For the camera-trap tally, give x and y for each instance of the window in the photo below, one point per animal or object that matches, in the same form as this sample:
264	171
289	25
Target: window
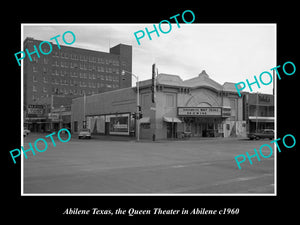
34	98
34	79
34	88
55	54
170	100
75	126
34	58
146	100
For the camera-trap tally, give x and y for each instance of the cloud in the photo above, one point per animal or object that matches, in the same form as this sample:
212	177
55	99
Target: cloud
228	52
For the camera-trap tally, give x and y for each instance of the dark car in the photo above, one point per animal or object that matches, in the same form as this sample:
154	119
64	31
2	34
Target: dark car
266	133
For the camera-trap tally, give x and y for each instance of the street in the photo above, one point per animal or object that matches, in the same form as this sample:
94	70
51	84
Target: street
192	166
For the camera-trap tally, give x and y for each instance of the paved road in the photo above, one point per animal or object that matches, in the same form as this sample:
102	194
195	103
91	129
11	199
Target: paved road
127	167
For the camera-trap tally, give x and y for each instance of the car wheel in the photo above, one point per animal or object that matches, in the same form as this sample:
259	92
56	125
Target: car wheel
79	137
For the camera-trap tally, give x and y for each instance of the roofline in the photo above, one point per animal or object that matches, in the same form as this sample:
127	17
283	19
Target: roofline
72	47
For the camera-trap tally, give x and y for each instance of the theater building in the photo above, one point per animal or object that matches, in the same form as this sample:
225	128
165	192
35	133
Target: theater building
199	107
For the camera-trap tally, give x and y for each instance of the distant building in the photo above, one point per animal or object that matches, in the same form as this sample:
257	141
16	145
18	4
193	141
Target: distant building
259	111
68	73
199	107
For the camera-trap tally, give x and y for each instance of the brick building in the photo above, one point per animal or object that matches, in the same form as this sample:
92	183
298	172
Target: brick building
69	72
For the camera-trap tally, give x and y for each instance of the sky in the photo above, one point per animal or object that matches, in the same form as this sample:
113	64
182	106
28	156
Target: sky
227	52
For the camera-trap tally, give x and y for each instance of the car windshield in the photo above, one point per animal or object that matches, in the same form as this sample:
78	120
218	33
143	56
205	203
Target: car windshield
268	131
85	130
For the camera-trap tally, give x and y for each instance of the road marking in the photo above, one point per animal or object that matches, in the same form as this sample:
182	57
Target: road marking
189	165
178	166
243	179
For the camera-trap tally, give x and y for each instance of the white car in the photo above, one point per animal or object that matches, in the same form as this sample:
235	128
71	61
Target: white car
85	133
26	132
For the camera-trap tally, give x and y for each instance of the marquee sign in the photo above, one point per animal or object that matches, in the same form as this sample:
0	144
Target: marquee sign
199	111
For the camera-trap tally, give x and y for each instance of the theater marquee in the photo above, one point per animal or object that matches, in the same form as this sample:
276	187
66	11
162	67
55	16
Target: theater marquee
199	111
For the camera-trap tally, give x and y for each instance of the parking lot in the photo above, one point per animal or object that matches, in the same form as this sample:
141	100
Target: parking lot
124	166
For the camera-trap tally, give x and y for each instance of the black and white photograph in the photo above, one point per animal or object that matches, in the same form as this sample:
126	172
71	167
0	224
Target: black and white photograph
158	115
162	112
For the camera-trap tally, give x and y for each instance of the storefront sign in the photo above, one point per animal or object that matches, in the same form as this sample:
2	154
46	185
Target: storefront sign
199	111
54	117
119	124
35	110
226	112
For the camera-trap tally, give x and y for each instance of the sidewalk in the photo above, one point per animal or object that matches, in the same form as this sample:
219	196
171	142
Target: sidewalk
35	135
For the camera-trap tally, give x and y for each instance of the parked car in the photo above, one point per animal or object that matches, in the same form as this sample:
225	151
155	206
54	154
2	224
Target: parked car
26	132
266	133
84	133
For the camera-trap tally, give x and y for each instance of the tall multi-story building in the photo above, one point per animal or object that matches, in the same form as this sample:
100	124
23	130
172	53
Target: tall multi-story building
70	72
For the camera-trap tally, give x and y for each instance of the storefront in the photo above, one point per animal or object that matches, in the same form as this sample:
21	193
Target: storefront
259	112
203	121
113	124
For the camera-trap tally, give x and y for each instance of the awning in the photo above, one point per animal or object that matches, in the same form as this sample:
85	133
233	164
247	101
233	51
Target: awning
172	119
262	119
145	120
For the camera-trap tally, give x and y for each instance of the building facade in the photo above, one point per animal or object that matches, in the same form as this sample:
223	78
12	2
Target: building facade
259	111
199	107
70	72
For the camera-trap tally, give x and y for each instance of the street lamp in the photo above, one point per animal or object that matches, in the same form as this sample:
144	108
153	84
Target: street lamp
137	103
61	118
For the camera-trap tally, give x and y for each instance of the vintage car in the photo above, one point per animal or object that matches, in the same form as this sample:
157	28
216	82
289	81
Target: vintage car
84	133
26	132
266	133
